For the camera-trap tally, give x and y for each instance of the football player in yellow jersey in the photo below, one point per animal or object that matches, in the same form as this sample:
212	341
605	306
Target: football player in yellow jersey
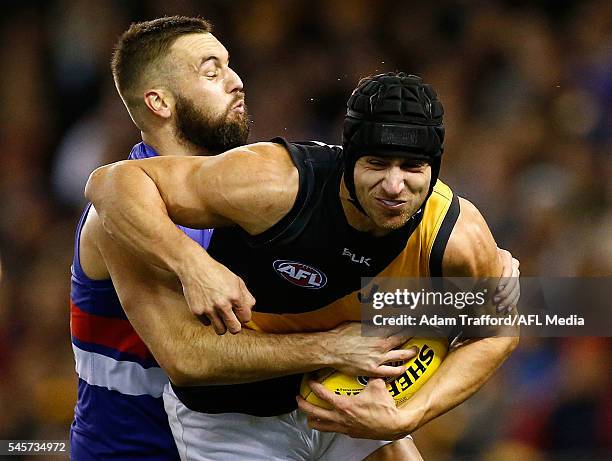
391	168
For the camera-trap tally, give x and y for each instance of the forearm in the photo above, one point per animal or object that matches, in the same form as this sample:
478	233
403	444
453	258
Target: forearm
189	351
133	212
470	252
461	374
199	357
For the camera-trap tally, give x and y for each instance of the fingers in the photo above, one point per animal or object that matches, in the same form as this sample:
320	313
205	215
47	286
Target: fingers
377	386
222	319
512	282
206	315
225	312
217	323
319	418
501	293
508	289
384	371
506	297
239	311
204	320
376	391
400	355
323	393
511	302
394	371
244	304
312	410
229	319
243	312
395	341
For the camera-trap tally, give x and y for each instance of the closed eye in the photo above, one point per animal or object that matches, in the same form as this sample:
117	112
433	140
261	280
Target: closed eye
376	163
413	165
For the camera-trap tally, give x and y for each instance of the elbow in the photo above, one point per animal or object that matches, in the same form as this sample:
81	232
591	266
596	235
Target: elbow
95	183
501	347
181	379
506	345
513	342
100	182
178	376
182	374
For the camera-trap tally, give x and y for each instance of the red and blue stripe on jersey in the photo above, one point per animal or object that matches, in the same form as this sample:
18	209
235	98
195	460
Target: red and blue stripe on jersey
119	413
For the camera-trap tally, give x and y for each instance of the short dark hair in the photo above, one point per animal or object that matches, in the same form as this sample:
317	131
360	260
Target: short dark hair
144	44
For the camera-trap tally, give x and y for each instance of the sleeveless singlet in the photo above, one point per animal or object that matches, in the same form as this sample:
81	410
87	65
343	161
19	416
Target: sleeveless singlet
305	271
119	413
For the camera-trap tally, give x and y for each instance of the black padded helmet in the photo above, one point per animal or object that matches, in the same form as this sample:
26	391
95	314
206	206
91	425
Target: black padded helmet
392	114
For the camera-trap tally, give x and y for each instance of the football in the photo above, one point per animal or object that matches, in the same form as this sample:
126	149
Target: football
431	352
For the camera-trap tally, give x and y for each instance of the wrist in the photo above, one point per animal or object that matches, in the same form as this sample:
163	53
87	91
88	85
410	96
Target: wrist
411	417
320	354
184	256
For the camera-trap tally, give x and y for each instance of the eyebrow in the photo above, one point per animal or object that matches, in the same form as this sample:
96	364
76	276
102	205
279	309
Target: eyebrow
212	58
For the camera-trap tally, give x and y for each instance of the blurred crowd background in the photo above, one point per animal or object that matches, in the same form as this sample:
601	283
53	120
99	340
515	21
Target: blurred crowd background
527	88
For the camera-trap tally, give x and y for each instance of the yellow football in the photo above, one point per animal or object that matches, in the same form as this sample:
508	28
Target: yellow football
431	352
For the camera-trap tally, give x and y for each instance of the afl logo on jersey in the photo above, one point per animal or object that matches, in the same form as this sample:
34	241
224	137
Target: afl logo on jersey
300	274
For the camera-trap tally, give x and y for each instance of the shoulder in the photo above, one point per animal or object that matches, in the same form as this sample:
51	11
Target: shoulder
256	184
315	146
471	249
311	151
260	160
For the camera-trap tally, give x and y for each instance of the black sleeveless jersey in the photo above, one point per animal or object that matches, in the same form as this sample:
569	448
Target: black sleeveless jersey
303	270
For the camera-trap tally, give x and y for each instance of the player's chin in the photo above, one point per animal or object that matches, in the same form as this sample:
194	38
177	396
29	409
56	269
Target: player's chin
390	223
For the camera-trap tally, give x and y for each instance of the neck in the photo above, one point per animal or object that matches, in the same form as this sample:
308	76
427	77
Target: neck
165	142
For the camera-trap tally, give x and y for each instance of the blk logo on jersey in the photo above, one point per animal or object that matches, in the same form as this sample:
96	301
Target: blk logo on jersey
355	258
300	274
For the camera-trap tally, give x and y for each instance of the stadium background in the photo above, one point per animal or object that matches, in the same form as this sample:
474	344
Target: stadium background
527	88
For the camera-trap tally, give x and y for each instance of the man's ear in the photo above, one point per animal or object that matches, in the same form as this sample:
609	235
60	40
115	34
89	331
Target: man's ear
159	101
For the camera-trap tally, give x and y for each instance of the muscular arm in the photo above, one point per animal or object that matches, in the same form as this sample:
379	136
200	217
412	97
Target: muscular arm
139	201
253	187
471	252
190	352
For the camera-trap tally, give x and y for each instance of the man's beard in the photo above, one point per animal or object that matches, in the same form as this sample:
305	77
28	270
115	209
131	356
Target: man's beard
215	135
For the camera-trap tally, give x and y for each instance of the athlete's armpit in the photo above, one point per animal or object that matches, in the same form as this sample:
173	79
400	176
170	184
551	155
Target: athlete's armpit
89	254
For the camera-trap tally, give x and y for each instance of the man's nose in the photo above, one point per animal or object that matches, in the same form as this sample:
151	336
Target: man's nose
233	81
393	182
